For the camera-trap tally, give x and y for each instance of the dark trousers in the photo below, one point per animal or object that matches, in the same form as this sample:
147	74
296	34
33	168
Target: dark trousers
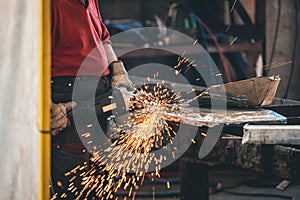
69	150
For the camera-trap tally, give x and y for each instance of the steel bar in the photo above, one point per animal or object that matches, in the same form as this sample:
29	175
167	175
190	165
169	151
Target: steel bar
272	134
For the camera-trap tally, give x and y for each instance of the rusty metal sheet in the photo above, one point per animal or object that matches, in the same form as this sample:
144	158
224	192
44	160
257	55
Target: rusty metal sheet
259	91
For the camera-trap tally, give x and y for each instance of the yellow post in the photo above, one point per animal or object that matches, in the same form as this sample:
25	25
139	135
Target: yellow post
44	107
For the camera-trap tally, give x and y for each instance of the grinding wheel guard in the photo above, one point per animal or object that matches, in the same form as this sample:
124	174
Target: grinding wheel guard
94	105
114	102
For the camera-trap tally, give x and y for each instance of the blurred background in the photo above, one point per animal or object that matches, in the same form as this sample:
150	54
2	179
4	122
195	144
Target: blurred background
254	36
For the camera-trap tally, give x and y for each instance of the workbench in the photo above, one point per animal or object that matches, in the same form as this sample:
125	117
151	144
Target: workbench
276	160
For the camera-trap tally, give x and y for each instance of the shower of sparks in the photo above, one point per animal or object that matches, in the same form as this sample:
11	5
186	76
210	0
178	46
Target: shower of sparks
227	29
153	193
233	6
146	130
275	65
195	42
186	62
132	147
234	39
203	134
168	185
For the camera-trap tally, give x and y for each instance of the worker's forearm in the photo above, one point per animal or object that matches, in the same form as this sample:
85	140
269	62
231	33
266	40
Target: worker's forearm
111	56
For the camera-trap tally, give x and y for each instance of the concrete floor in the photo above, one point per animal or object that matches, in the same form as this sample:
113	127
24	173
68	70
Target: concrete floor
228	180
293	190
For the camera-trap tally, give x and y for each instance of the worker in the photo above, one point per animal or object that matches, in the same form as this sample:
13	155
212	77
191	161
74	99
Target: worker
81	53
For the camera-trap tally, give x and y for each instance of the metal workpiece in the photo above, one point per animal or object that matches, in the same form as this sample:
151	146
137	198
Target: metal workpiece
205	117
272	134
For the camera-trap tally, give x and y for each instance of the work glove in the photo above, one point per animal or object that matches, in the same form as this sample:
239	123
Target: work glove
120	76
59	118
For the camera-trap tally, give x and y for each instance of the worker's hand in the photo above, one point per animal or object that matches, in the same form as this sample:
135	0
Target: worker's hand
120	76
59	119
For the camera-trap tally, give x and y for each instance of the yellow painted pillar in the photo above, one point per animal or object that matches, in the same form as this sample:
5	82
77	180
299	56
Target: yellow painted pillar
44	105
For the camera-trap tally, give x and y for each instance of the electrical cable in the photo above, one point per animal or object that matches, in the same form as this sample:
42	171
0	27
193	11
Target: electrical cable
208	30
160	180
297	7
276	31
203	35
221	54
205	43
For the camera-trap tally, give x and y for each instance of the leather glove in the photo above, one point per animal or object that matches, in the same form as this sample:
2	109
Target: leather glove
120	76
59	119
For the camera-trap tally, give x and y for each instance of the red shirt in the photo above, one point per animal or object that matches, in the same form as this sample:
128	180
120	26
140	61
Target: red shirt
77	36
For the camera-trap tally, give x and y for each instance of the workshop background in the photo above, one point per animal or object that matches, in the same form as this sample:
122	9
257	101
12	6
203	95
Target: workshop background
265	34
271	26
